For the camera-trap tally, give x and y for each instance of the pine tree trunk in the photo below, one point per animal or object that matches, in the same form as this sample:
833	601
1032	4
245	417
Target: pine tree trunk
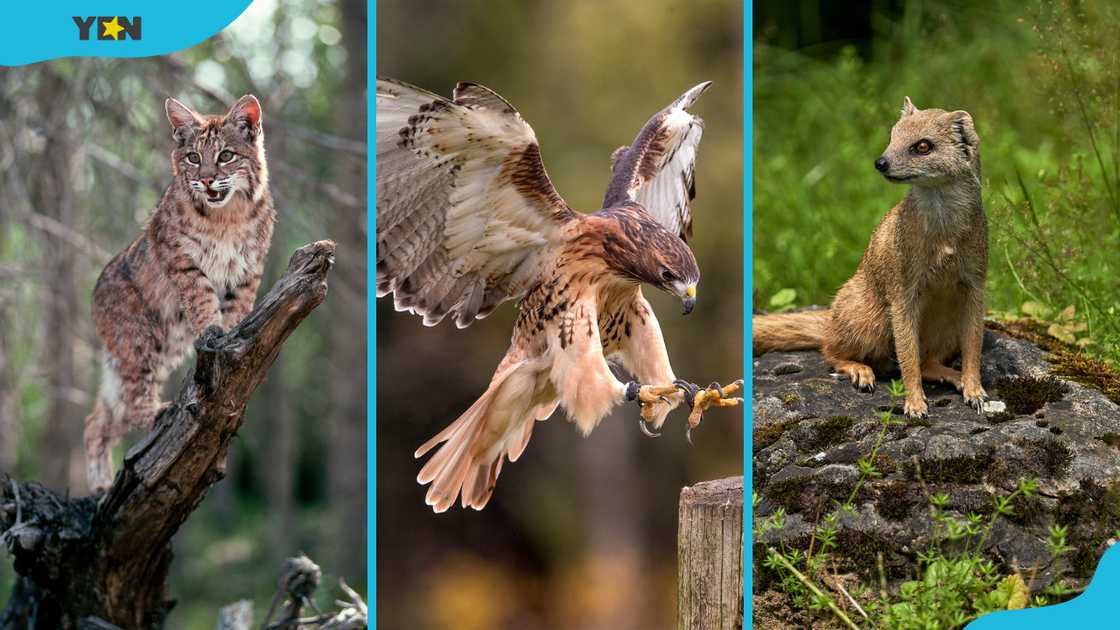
51	196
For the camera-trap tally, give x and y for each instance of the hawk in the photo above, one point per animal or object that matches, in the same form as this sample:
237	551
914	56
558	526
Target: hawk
467	218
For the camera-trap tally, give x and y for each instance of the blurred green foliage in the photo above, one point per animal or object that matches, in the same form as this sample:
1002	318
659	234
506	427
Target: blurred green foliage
580	533
1042	82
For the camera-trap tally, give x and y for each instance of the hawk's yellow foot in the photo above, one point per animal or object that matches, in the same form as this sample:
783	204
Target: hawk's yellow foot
699	400
647	396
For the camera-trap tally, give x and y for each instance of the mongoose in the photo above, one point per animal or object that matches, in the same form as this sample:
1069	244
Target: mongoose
919	288
197	263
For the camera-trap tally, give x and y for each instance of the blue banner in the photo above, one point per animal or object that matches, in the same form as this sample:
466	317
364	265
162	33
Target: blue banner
39	31
1090	609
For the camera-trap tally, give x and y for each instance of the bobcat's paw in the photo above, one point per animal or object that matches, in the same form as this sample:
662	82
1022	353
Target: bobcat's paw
210	339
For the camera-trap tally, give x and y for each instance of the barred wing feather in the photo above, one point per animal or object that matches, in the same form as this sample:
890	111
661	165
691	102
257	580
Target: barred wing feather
657	169
466	213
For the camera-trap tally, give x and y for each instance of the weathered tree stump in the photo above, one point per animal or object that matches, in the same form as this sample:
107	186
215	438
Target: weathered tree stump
105	559
710	556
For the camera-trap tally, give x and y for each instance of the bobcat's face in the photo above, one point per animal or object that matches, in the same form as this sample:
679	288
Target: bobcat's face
218	158
930	147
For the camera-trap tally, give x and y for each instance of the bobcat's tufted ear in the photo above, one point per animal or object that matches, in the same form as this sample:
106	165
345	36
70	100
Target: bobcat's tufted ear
178	114
246	115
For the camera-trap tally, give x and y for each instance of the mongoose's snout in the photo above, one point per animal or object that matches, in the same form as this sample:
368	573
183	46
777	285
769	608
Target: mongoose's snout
882	164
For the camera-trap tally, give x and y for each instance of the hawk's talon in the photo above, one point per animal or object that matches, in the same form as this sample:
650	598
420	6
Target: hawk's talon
647	396
699	400
645	429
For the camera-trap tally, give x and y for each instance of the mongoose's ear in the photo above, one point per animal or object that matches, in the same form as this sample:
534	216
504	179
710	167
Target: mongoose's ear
963	127
907	107
178	114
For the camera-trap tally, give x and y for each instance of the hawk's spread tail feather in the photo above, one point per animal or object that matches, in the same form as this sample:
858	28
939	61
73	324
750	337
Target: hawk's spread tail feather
789	331
471	449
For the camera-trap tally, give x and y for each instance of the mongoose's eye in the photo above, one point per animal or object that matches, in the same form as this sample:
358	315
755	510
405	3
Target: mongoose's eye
225	156
194	158
922	147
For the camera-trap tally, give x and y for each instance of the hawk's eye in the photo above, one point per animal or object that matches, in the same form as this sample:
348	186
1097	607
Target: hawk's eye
922	147
194	158
667	276
225	156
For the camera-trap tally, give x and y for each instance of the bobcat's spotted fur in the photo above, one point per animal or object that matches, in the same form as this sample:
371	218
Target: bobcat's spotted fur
197	263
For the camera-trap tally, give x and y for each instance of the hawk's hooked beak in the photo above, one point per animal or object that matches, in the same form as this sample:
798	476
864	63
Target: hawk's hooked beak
689	299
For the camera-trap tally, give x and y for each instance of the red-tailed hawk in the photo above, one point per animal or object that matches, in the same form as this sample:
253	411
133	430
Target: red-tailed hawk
467	219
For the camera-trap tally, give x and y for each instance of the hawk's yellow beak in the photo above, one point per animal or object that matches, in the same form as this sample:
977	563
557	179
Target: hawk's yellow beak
689	300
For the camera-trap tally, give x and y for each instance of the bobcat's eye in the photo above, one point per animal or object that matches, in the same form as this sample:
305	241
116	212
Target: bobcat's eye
194	158
922	147
225	156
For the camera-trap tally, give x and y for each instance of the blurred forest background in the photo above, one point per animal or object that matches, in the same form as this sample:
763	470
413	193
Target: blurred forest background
1042	82
580	533
84	147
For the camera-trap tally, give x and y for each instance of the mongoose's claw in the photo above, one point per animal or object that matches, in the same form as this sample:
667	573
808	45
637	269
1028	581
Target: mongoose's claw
862	376
916	407
977	402
975	396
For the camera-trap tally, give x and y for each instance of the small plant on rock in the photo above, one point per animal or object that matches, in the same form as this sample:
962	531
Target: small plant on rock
954	582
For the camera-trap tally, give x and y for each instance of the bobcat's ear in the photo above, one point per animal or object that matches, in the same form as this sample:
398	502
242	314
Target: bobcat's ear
907	107
246	115
178	114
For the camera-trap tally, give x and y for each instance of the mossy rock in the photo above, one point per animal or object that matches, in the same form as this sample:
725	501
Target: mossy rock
813	428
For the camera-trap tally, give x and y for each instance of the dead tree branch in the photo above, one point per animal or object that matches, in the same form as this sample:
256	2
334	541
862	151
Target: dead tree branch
105	559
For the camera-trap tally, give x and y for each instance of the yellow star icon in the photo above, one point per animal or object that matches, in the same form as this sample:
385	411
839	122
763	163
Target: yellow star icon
112	28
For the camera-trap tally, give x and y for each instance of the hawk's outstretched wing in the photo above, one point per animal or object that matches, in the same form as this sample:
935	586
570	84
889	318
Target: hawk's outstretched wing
465	209
657	169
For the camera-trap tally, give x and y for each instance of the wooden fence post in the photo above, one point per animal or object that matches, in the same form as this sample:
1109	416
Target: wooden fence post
710	556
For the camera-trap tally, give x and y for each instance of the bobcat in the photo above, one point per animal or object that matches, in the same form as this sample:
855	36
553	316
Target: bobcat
918	293
196	264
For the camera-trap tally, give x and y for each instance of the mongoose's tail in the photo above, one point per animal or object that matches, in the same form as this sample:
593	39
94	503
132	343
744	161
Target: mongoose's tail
789	331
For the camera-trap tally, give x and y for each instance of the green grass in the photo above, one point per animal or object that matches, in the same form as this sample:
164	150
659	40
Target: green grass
1042	82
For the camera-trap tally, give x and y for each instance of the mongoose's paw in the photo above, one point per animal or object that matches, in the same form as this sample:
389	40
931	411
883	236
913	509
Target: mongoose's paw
649	397
975	396
699	400
938	373
863	377
916	406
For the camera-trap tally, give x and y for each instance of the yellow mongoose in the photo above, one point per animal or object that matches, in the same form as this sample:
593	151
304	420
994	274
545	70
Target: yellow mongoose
919	289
